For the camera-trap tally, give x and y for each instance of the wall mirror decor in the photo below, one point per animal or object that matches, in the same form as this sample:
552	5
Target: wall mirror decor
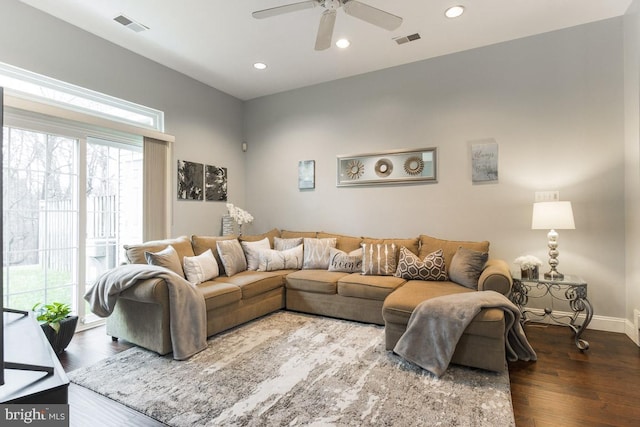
388	167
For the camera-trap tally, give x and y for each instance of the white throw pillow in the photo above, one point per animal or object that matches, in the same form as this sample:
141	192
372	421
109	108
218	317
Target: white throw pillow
290	259
200	268
346	262
280	244
252	252
317	252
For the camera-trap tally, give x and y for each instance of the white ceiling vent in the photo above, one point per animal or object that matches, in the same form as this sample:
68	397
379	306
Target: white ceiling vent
130	23
406	39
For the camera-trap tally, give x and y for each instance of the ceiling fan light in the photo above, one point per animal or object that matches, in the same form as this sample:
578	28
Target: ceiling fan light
260	66
454	11
343	43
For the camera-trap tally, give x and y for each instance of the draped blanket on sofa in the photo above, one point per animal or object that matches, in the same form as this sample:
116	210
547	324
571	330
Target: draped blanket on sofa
437	324
187	311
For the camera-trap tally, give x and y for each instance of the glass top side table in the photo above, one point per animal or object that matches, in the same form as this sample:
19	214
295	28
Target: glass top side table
572	289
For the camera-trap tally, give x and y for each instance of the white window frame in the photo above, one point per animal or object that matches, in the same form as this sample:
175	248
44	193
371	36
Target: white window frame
36	87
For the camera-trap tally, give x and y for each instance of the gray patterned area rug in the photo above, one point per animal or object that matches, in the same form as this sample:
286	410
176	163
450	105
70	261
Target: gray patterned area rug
293	369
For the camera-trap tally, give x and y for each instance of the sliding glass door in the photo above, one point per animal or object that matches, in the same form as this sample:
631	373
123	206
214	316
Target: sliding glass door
69	203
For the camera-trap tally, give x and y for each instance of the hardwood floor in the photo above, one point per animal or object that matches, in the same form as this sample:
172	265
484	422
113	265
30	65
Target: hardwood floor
564	388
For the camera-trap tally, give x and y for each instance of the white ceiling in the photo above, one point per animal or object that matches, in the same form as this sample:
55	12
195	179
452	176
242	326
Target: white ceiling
217	41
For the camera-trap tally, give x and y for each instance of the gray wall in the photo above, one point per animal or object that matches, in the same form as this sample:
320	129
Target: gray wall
632	156
207	123
553	102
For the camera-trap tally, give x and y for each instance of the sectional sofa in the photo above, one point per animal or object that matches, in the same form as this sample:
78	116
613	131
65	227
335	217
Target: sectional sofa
369	280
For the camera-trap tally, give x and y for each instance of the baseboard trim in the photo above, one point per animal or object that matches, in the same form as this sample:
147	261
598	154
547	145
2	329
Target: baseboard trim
598	323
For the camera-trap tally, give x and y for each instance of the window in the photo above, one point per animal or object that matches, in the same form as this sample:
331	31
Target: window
70	201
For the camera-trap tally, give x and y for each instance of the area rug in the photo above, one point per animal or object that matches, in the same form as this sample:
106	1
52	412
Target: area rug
294	369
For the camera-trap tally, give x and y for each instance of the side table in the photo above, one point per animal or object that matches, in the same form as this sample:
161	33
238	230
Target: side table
572	289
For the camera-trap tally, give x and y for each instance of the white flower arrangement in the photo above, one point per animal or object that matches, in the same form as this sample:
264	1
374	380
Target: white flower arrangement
240	216
527	262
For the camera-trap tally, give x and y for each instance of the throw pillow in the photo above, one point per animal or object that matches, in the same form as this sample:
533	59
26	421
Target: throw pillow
466	267
167	258
379	259
411	267
252	252
347	262
316	253
200	268
280	244
232	256
289	259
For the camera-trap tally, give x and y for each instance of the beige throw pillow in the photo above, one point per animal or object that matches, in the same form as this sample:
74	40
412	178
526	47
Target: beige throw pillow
346	262
232	256
379	259
167	258
200	268
252	252
317	253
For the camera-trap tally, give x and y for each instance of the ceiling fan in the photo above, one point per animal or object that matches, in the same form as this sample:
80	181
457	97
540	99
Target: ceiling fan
354	8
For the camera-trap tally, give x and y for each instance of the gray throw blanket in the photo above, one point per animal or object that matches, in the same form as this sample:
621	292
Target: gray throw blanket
187	310
436	325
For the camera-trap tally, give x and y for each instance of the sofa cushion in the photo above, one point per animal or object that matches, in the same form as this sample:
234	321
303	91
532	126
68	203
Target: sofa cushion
271	235
280	244
253	283
411	267
466	267
430	244
368	287
218	294
252	251
289	259
167	258
232	256
344	243
317	252
202	243
379	259
347	262
317	281
135	253
200	268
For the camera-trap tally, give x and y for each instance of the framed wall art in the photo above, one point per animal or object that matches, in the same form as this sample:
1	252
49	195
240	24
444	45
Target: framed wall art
389	167
306	174
215	182
484	161
190	177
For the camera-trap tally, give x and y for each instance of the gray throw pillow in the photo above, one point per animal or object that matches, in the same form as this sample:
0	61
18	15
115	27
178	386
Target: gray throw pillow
232	256
317	253
167	258
466	267
280	244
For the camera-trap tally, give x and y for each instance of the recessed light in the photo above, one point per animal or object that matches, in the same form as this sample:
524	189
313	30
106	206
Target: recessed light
260	66
454	11
343	43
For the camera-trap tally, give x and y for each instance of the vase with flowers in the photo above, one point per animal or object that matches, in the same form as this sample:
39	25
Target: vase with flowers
235	217
529	266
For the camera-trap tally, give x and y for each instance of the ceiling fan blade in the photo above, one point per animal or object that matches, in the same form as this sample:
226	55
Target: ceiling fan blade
325	30
372	15
280	10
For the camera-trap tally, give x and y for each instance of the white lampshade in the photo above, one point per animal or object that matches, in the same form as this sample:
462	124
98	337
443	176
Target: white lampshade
552	215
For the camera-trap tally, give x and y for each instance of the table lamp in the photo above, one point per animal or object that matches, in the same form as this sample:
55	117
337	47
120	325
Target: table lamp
553	216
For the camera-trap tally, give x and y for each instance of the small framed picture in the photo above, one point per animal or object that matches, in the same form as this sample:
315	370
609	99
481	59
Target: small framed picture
306	174
484	161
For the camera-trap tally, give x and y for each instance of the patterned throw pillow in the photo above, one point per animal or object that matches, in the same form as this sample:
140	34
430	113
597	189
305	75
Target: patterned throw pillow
317	253
252	252
347	262
232	256
167	258
289	259
466	267
200	268
411	267
378	259
280	244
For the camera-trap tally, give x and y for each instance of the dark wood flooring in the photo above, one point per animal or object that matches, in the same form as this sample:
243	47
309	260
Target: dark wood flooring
564	388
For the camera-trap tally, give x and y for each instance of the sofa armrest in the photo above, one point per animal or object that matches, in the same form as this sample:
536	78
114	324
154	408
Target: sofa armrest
496	277
152	290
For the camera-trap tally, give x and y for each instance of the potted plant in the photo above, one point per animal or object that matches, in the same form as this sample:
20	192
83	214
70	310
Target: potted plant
529	265
57	323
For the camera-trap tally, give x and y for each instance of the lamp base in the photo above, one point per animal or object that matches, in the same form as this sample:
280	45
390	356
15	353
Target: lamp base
553	275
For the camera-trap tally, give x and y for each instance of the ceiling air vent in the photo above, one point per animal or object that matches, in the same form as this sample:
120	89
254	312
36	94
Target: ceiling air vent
130	23
406	39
